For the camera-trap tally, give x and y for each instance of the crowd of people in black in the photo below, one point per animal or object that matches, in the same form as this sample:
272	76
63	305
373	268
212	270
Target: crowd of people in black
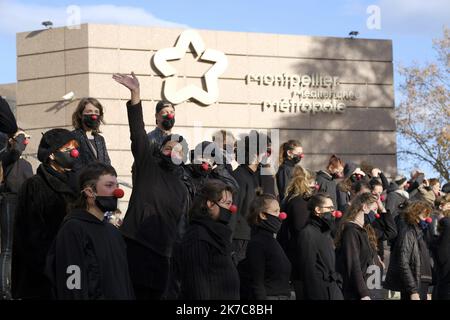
210	223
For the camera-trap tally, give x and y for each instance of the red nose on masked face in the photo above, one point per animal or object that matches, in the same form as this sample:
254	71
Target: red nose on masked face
282	216
74	153
233	209
118	193
377	215
94	117
205	166
301	156
26	141
428	220
337	214
317	187
382	197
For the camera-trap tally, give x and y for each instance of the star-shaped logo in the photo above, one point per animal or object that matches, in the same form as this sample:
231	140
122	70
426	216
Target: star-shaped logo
176	96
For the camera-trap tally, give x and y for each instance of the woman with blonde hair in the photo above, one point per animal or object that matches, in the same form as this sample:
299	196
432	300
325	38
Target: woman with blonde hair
298	193
410	264
356	246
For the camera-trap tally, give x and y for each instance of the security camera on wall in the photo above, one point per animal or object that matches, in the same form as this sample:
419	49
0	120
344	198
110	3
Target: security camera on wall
68	96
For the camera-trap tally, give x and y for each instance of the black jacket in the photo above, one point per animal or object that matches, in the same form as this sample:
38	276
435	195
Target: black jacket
41	207
266	270
87	154
297	217
353	257
407	256
248	182
283	176
327	185
385	229
15	171
98	250
159	196
206	270
317	263
442	260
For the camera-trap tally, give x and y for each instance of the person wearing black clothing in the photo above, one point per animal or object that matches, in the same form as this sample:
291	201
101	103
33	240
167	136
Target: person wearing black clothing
442	259
326	179
226	149
8	123
356	247
385	227
316	257
41	207
265	271
158	201
410	264
15	171
165	120
88	259
86	120
291	153
205	268
203	167
247	176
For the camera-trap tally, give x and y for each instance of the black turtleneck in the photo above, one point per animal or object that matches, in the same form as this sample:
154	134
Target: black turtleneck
206	270
284	175
266	269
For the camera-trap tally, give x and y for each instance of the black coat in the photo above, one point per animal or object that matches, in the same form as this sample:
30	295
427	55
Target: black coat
442	260
87	154
394	200
206	270
297	217
248	182
353	257
283	177
407	256
327	185
159	195
15	171
317	262
266	270
98	249
41	207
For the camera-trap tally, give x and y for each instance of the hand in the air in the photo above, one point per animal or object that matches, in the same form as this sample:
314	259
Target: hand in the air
131	82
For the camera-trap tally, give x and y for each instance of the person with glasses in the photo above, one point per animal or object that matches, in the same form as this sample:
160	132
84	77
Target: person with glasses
317	261
266	269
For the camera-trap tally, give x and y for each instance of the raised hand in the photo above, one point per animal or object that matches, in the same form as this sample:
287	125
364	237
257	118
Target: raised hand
132	83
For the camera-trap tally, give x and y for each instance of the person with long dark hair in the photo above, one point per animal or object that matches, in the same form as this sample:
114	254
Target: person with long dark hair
356	246
266	270
204	265
291	153
88	260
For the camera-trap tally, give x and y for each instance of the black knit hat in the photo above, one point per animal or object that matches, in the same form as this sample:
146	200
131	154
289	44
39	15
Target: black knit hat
163	104
349	168
180	140
52	140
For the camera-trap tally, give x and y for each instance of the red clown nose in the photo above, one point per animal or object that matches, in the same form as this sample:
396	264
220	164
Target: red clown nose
170	116
118	193
282	216
26	141
382	197
317	187
233	209
205	166
302	156
74	153
94	117
337	214
377	215
428	220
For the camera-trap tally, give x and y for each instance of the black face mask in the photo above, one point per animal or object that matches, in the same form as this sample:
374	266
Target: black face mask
423	224
328	218
64	159
19	144
370	217
224	215
167	162
272	223
296	158
106	203
168	123
91	123
200	169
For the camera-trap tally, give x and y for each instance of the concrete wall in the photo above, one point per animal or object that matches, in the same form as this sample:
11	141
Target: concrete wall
52	62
